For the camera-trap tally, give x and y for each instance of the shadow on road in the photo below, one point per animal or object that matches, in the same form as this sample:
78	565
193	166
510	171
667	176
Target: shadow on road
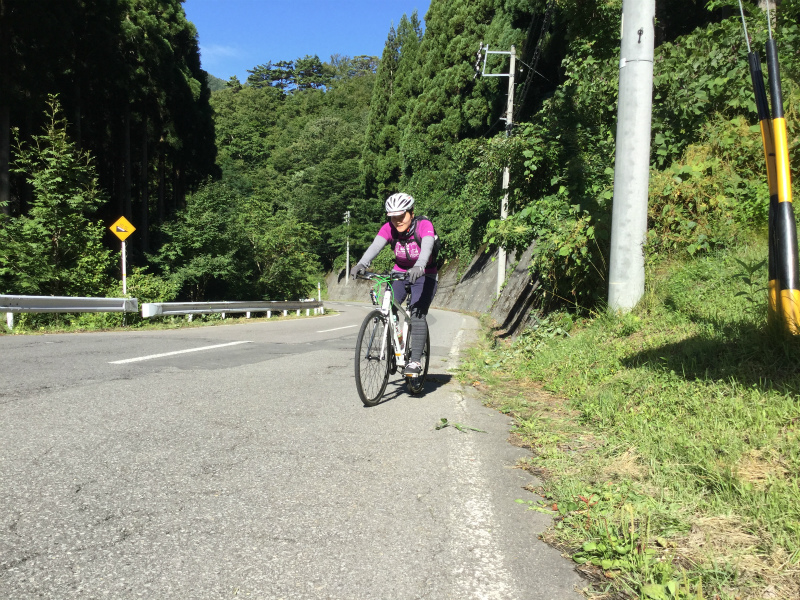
396	388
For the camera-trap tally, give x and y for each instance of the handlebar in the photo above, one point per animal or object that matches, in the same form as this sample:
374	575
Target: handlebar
390	276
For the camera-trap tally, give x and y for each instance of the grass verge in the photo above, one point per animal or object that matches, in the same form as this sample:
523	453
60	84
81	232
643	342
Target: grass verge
667	439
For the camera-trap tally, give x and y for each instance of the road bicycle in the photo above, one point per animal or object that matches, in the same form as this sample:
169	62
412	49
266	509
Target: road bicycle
384	345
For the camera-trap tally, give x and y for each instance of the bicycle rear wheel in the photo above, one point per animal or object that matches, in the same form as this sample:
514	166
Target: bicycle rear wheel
372	369
415	384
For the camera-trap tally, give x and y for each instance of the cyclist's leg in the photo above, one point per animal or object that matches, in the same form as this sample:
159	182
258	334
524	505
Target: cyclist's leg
399	290
422	293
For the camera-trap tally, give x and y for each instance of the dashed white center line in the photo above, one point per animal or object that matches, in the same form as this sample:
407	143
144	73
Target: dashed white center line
151	356
337	328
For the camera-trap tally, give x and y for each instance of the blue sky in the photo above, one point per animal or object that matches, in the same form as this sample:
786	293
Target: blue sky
236	35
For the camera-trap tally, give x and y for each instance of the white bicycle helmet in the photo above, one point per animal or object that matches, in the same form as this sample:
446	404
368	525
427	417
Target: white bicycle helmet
398	203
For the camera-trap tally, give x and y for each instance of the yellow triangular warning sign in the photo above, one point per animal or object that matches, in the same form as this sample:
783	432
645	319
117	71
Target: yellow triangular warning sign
122	228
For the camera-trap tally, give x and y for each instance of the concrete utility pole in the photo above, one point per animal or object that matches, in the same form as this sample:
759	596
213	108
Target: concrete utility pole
347	255
483	54
501	252
632	161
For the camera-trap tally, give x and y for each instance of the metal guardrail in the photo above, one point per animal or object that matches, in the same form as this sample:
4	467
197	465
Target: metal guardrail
66	304
157	309
11	304
70	304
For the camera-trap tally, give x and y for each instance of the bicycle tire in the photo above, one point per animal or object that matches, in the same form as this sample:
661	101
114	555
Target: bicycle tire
415	384
372	371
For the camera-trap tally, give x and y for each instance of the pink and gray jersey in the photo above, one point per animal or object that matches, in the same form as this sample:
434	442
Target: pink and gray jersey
406	250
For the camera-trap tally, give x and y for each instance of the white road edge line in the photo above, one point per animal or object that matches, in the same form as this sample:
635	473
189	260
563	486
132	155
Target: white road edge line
483	574
337	328
151	356
455	349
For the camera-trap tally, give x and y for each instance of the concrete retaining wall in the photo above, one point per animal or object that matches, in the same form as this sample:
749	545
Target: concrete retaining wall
471	291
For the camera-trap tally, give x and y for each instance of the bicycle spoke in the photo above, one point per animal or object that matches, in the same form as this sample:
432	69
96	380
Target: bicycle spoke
372	369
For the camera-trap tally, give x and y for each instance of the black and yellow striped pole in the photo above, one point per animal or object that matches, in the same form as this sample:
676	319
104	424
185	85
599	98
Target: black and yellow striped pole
756	75
773	296
785	230
784	287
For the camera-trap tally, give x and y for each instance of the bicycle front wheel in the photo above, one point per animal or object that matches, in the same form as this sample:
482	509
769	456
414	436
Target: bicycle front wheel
372	365
415	384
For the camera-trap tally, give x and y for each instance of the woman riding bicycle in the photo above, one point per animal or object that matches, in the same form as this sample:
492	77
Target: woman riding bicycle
415	259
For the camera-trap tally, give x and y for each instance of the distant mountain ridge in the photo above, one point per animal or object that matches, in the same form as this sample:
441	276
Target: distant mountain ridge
215	83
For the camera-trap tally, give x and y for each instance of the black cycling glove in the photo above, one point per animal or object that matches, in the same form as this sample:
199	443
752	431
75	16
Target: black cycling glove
359	269
415	273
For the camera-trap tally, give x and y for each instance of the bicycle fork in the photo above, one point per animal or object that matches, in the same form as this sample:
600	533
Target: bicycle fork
400	348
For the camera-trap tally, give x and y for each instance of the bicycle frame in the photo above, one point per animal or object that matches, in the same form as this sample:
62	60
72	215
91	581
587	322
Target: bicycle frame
373	363
386	306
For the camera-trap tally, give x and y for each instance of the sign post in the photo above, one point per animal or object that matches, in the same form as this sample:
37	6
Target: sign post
122	228
124	274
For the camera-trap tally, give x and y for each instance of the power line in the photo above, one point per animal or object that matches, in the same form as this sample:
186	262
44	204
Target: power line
548	14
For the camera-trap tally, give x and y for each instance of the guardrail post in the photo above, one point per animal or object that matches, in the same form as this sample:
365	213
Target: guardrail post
223	315
298	312
269	314
308	311
189	318
10	320
248	314
285	313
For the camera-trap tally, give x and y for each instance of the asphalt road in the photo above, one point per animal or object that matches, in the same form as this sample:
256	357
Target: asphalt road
251	469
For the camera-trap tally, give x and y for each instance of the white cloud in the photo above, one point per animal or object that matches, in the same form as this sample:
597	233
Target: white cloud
215	53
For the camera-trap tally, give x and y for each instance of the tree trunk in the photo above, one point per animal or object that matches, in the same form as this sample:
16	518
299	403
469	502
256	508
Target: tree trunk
178	195
182	188
77	116
126	157
143	192
162	184
5	157
119	178
174	202
5	114
25	195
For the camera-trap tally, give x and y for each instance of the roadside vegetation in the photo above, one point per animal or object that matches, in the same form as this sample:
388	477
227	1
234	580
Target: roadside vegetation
667	440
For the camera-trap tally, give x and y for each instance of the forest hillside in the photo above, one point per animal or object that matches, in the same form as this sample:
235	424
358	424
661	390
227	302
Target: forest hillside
241	192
